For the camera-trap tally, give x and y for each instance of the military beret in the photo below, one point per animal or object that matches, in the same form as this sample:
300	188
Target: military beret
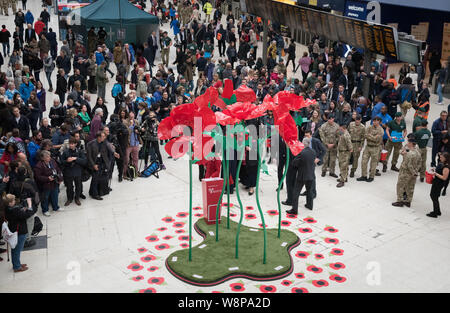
398	114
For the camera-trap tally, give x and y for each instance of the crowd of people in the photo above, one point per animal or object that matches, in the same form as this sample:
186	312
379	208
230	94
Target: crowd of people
73	140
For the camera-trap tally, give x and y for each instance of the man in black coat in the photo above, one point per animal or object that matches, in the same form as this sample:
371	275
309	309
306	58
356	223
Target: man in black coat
305	164
21	122
73	161
29	34
153	44
51	37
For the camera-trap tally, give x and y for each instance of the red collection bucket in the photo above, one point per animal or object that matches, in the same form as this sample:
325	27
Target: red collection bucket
429	177
383	155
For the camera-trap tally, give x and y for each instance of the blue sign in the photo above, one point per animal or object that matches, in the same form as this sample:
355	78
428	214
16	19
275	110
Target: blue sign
356	10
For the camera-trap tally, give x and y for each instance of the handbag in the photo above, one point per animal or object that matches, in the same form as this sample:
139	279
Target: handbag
10	237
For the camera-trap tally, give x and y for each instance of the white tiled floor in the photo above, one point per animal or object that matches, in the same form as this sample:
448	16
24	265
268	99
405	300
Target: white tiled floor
411	249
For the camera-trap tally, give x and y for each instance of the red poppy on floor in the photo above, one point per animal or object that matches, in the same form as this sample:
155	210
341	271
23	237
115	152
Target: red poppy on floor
148	258
331	229
135	267
215	291
267	288
148	290
184	238
182	214
332	240
299	290
320	283
272	212
152	238
338	278
311	241
180	231
156	280
285	223
162	247
226	204
184	245
305	230
238	287
178	224
138	278
291	216
168	219
318	256
197	208
167	237
336	251
249	208
162	229
337	265
299	275
302	254
286	282
309	220
142	250
250	216
260	225
152	268
198	215
314	269
232	214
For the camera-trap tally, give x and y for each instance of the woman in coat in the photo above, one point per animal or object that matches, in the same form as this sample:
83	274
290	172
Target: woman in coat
35	110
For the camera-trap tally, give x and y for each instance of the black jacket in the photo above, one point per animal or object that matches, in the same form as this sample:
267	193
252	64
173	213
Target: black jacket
318	148
304	164
17	218
74	168
23	125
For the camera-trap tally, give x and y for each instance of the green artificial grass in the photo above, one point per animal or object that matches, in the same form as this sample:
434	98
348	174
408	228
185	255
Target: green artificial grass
212	263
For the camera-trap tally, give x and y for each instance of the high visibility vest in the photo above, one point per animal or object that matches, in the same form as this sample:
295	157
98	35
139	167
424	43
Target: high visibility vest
422	105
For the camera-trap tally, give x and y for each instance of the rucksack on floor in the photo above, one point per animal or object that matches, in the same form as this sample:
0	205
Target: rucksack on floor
37	226
152	169
131	172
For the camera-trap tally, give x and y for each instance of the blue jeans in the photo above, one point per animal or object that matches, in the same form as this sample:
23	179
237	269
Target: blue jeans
52	197
15	253
6	48
63	33
439	92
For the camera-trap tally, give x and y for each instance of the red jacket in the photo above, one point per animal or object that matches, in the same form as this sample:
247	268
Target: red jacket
6	157
39	27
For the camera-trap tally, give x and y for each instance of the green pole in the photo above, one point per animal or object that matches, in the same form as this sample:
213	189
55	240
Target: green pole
239	198
223	189
190	201
228	193
279	189
258	204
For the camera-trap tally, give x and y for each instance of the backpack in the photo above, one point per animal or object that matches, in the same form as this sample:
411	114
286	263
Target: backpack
152	169
405	102
116	90
131	172
37	226
219	36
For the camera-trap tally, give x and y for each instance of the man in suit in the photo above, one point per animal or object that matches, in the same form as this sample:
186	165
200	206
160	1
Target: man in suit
153	44
305	164
183	38
51	37
30	34
22	124
330	91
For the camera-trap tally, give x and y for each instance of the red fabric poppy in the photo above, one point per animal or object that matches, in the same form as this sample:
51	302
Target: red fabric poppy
182	214
337	265
135	267
245	94
224	119
331	229
197	208
249	208
272	212
238	287
152	238
285	223
184	245
309	220
260	225
334	241
290	100
163	246
292	216
152	268
267	288
167	237
314	269
338	278
232	214
162	228
305	230
199	215
312	241
299	290
148	258
138	278
210	98
245	110
156	280
148	290
178	224
142	250
168	219
227	89
336	251
320	283
318	256
299	275
288	131
286	282
180	231
183	238
302	254
250	216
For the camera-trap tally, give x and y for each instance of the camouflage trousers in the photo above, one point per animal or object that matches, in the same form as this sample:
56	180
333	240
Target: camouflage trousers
405	184
356	153
4	8
423	163
396	146
344	159
14	6
371	153
329	161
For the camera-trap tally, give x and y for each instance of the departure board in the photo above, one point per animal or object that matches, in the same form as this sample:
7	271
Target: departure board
380	39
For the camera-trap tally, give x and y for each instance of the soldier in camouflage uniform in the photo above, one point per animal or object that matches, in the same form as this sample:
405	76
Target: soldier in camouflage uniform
345	148
328	135
13	5
357	132
409	170
374	136
187	14
4	6
397	124
422	136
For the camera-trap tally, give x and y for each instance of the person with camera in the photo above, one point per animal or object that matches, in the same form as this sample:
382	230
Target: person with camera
99	161
48	177
73	160
134	140
118	137
149	131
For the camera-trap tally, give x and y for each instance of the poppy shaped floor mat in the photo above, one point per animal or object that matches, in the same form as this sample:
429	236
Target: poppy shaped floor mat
214	262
